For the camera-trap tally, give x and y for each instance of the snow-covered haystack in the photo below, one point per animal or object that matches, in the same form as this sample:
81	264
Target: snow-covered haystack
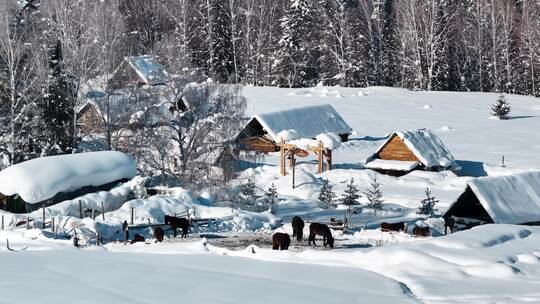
40	179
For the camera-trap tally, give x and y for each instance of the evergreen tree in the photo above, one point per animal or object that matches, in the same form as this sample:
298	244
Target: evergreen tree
428	205
374	196
350	196
327	195
501	108
58	110
297	60
271	198
221	59
249	189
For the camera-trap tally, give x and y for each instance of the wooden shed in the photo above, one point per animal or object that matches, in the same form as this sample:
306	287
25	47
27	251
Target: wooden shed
46	181
139	71
263	132
511	199
408	150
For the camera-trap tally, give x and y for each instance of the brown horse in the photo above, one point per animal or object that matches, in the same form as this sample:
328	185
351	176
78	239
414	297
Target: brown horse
159	234
297	228
280	241
421	231
178	222
401	226
320	229
137	238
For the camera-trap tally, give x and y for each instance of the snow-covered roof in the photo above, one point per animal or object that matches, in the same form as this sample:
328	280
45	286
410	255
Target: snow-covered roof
149	69
396	165
40	179
307	122
427	147
511	199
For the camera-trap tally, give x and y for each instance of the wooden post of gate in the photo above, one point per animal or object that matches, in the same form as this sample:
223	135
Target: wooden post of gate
132	214
94	214
27	223
320	158
80	209
328	160
102	211
293	160
282	158
43	224
2	222
53	227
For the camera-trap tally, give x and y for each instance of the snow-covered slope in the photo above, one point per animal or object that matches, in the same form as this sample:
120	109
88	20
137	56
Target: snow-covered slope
460	119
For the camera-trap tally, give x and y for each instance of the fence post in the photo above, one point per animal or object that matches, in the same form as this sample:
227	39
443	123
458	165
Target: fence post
53	227
102	211
2	222
93	214
132	214
27	223
43	225
80	209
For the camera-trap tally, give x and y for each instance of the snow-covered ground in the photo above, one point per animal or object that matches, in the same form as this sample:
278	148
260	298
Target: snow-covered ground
230	260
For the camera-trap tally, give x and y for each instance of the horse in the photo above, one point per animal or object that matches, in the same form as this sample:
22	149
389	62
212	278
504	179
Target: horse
280	241
297	228
137	238
449	222
159	234
421	231
178	222
320	229
401	226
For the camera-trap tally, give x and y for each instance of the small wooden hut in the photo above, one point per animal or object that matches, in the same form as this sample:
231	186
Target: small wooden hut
46	181
408	150
511	199
262	132
139	71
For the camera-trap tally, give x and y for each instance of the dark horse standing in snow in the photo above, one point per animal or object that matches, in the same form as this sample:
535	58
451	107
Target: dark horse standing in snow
297	228
178	222
159	234
320	229
280	241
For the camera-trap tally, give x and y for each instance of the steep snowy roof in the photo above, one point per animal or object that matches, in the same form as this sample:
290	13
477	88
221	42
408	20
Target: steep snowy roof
511	199
427	147
149	69
40	179
307	122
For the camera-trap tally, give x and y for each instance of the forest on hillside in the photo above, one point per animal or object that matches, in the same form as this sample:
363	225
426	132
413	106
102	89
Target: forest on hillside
54	52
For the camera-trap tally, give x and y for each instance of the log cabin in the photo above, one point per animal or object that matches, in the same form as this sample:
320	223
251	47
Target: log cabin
263	132
46	181
139	71
511	199
408	150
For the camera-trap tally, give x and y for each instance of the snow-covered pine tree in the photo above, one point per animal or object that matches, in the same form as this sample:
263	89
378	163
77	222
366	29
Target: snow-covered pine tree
297	59
271	198
501	108
374	196
58	108
327	195
350	196
248	189
222	57
428	205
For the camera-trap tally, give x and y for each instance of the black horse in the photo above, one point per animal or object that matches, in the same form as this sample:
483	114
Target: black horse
320	229
158	234
281	241
178	222
297	228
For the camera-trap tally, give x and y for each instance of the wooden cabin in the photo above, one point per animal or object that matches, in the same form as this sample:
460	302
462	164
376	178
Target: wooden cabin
511	199
46	181
262	132
139	71
409	150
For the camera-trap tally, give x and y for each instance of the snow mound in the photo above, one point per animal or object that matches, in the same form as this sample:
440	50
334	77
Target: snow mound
330	140
42	178
428	107
289	134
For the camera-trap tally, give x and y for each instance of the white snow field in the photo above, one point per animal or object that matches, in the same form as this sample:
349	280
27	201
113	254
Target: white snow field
495	263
